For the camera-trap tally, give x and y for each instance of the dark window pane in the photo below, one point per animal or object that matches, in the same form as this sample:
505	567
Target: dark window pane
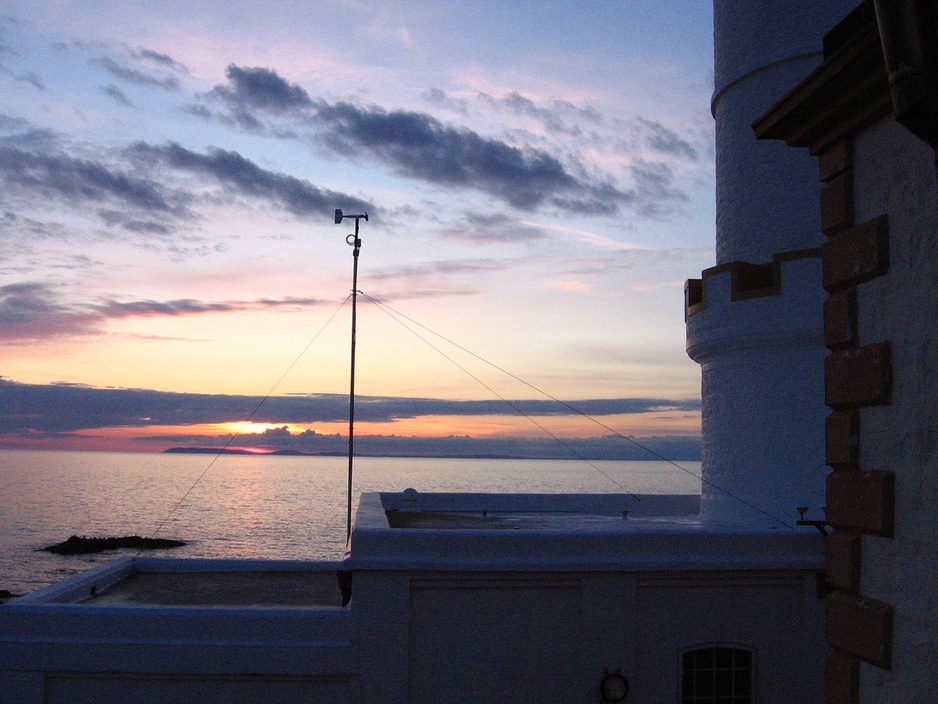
723	657
723	683
716	676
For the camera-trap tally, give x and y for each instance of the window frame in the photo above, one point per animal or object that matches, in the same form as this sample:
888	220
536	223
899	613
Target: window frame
714	645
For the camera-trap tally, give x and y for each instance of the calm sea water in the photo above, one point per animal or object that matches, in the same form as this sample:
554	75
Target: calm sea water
247	506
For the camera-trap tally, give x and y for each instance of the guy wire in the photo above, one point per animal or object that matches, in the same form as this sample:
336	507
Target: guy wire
569	407
253	413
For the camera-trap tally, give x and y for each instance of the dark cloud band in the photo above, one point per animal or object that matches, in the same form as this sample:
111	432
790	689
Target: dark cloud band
131	75
232	170
78	179
33	311
418	146
66	408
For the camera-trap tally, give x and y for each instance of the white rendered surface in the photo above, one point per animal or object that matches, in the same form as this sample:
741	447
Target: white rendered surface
766	192
574	532
895	175
762	365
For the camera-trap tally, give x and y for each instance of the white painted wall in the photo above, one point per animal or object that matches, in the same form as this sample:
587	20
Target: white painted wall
458	636
762	365
766	192
895	174
762	359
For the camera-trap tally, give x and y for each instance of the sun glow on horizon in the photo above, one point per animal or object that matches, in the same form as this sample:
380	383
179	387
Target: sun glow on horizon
241	427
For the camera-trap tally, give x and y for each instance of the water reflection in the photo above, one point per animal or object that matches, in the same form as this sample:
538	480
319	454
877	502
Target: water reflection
248	506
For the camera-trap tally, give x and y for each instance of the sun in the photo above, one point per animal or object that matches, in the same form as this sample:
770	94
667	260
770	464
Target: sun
244	427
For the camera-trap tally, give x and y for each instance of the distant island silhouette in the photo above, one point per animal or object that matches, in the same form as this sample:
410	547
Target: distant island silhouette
279	441
298	453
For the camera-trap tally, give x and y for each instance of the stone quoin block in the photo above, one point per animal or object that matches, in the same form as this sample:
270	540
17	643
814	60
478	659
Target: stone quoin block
840	320
693	297
835	160
748	280
841	679
843	560
842	434
861	627
837	203
857	255
863	501
858	377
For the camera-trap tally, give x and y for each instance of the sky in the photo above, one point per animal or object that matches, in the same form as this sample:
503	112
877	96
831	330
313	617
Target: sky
538	179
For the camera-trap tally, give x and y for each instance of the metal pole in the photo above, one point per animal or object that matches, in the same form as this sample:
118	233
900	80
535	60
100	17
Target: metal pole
356	244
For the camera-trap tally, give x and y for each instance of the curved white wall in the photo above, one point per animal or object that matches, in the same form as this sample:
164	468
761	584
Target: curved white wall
762	363
766	192
762	359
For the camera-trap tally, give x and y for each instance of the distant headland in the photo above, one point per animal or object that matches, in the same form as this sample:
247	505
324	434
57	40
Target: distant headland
239	451
282	443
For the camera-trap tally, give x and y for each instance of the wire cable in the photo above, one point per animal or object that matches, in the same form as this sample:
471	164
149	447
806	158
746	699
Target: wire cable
569	407
250	417
492	391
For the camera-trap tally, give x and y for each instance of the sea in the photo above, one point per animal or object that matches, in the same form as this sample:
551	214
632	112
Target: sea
251	506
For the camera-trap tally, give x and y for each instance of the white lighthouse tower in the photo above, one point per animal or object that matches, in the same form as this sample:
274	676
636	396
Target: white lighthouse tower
754	321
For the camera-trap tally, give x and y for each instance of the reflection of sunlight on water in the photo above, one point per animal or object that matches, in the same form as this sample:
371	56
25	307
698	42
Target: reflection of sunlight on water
250	506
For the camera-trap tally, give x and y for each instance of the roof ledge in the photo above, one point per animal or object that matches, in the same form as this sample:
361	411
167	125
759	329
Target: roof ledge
880	59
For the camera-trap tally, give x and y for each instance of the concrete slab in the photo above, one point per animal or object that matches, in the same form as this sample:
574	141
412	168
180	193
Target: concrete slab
255	589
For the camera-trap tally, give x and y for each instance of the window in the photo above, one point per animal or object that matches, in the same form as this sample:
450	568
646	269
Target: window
720	675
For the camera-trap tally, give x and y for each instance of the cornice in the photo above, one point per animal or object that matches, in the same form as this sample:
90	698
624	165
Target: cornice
847	92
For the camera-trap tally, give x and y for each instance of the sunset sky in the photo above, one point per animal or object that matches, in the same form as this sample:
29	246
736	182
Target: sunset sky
538	178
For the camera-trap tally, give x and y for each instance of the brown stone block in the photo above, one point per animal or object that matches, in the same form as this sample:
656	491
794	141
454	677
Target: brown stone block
858	377
840	320
842	434
841	679
857	255
749	280
835	160
863	501
861	627
693	297
843	560
837	203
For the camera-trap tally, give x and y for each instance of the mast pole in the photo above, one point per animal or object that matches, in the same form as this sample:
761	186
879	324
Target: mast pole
355	242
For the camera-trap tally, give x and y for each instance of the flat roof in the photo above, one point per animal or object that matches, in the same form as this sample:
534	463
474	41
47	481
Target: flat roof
433	531
255	589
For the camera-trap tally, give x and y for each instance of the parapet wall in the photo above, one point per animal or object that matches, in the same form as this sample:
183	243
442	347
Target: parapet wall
747	280
756	329
741	304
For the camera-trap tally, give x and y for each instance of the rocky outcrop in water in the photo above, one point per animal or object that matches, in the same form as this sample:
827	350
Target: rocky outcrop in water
81	545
